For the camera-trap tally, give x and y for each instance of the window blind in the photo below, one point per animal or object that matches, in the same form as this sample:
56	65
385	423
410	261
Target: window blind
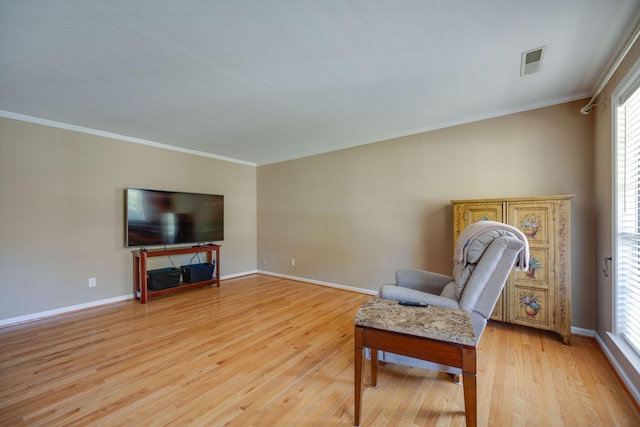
628	219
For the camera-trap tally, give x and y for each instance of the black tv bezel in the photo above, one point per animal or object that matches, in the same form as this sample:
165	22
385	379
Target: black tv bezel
193	242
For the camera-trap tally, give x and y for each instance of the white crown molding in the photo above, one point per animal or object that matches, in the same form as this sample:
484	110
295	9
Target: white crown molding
81	129
432	127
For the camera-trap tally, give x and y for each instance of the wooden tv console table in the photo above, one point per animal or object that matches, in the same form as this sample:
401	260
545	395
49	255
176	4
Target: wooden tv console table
140	270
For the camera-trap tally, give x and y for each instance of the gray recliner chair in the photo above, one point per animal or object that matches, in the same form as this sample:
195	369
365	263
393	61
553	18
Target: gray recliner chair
484	260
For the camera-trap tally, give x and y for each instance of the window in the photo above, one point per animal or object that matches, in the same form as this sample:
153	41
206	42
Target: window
627	217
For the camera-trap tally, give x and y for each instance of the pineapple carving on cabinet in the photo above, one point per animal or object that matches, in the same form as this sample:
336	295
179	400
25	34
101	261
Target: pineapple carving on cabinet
541	296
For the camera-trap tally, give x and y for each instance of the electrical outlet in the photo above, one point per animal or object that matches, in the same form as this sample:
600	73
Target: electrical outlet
92	282
293	262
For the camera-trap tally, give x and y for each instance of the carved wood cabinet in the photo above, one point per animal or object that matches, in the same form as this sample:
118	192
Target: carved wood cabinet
541	297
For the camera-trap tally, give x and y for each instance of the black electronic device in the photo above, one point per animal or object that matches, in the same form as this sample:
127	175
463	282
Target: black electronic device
155	217
413	304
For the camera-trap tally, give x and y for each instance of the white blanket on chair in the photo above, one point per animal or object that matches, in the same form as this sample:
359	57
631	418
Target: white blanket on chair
477	228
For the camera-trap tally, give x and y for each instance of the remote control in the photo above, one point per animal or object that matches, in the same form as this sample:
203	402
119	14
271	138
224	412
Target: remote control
413	304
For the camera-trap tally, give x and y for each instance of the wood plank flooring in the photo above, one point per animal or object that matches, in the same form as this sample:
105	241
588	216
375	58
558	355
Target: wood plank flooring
265	351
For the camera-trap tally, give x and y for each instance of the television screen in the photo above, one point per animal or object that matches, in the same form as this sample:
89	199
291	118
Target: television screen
165	217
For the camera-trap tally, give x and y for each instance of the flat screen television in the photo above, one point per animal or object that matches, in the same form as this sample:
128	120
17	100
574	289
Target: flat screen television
155	217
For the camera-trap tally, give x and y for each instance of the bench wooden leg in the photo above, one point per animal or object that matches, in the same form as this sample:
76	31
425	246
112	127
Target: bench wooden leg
469	386
358	367
374	367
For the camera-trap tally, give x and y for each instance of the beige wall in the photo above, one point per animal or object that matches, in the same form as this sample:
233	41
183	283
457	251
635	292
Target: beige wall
352	217
349	217
603	208
62	213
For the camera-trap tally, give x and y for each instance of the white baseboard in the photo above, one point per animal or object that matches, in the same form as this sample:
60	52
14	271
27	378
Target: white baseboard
63	310
234	275
318	282
584	332
92	304
625	378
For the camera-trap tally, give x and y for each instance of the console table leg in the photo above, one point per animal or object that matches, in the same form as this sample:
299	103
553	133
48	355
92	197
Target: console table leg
136	276
143	278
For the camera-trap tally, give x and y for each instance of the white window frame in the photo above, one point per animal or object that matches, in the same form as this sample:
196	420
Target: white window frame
629	83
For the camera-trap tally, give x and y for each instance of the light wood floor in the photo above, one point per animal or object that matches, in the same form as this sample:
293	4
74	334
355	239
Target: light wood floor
264	351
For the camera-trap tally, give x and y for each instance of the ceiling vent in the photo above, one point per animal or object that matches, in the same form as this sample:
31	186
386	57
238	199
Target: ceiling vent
532	61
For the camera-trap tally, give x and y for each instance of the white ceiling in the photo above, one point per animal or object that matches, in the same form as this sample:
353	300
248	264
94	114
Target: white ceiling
265	81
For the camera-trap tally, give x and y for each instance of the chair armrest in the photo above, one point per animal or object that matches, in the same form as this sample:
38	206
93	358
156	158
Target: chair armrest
399	293
421	280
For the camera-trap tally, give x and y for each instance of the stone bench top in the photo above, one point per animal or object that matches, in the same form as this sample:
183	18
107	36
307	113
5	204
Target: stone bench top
439	323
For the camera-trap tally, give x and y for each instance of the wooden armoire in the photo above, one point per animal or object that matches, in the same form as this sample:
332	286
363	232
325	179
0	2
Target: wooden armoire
540	297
